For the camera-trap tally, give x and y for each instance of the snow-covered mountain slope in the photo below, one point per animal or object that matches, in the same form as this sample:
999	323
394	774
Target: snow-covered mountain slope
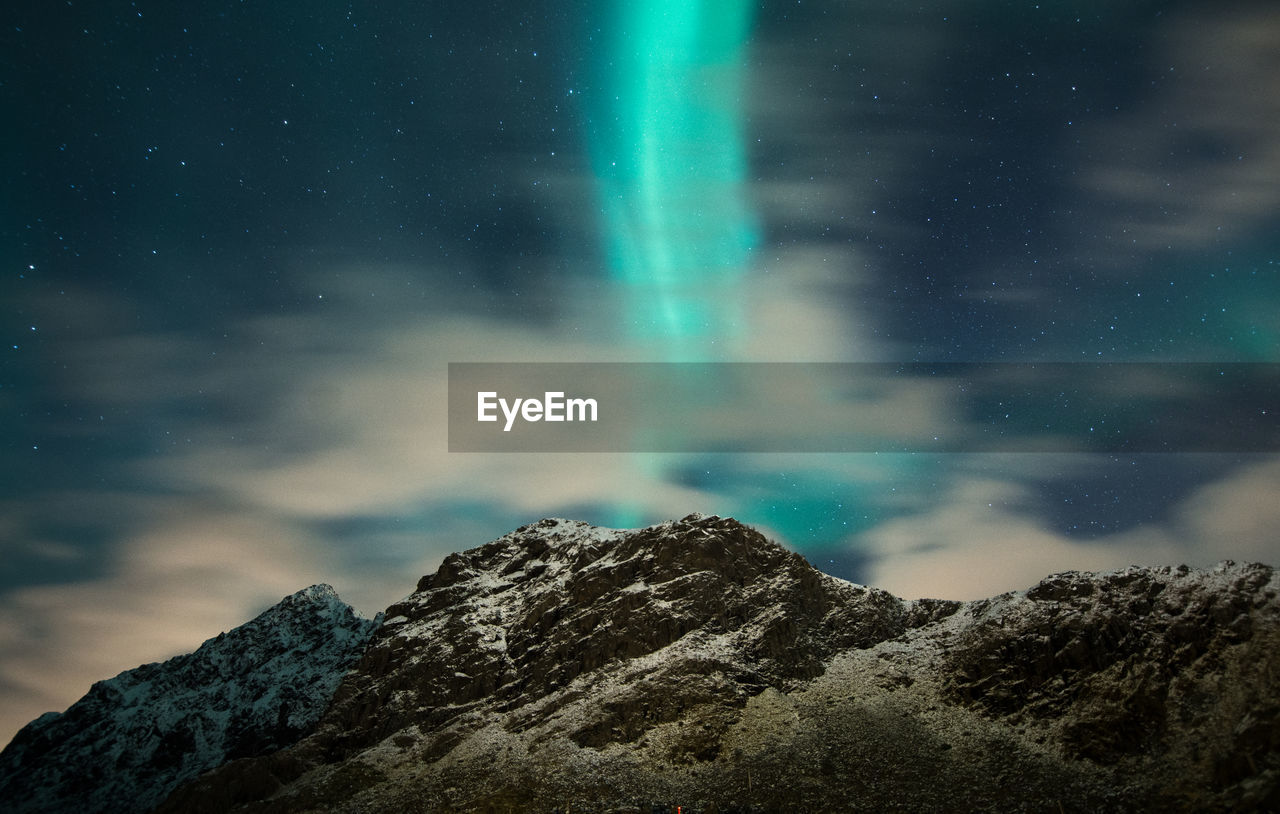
696	664
128	742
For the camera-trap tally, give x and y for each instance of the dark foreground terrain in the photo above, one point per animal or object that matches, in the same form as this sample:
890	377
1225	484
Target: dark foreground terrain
565	667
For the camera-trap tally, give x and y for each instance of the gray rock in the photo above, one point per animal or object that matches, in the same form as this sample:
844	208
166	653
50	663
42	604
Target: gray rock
695	664
133	738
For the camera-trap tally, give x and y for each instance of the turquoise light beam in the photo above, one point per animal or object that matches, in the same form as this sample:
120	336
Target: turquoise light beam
668	152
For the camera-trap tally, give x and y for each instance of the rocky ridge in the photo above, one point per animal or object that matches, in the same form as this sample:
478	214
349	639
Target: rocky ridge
133	738
694	663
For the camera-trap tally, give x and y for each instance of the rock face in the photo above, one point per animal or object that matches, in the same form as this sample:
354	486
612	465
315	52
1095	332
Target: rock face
570	668
565	667
127	743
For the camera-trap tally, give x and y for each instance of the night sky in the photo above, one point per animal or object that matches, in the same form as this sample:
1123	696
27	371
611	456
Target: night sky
242	241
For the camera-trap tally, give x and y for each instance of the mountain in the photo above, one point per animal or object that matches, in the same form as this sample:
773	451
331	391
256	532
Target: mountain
695	664
133	738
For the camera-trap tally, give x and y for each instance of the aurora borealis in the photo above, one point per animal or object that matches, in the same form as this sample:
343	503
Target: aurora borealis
243	242
667	148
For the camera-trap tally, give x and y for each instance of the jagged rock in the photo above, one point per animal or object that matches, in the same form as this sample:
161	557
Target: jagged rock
695	664
566	667
515	621
128	742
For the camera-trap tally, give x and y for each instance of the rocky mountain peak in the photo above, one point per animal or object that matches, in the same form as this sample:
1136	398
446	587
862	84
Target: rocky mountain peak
131	739
696	664
694	543
517	620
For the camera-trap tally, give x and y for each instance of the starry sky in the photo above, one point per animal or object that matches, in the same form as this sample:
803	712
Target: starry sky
243	240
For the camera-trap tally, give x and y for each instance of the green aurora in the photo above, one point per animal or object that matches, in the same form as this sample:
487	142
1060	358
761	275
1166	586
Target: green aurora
668	154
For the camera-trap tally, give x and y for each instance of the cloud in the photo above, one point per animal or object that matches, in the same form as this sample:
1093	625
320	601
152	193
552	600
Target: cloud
1237	517
982	537
253	442
304	420
971	545
195	572
1198	160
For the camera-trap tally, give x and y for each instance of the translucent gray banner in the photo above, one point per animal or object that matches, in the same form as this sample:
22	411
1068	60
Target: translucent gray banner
864	407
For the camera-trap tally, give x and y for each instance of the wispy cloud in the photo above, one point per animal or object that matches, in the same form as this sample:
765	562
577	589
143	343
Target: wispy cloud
983	535
221	461
195	571
1197	161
